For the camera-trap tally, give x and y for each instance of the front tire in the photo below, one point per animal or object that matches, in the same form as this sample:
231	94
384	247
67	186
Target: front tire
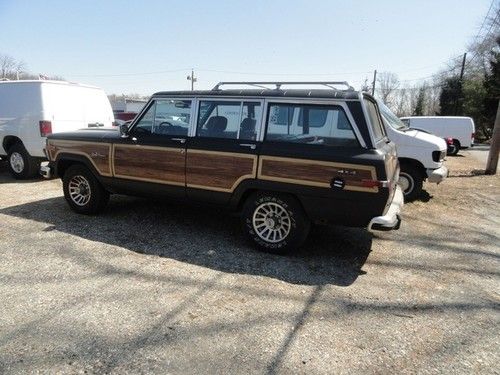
82	190
21	164
276	223
411	181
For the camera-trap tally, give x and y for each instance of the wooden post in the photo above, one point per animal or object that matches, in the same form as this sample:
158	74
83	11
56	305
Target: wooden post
492	162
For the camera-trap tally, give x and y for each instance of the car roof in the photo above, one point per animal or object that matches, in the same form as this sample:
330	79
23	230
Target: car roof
292	93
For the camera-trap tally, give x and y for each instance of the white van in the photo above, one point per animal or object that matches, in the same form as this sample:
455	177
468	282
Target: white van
460	130
420	154
30	110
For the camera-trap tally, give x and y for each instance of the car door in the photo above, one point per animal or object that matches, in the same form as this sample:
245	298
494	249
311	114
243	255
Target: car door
223	152
154	152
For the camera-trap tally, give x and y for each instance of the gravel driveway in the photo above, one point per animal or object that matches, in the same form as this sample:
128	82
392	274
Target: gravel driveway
151	287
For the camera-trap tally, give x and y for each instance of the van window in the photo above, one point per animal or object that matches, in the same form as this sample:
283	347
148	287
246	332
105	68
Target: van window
228	119
312	124
378	129
165	117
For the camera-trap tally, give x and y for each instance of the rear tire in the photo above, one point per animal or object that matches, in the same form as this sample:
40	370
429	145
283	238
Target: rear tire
21	164
411	181
453	148
276	223
83	191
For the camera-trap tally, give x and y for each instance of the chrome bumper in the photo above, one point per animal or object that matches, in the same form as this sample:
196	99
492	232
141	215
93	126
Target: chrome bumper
46	171
391	220
437	175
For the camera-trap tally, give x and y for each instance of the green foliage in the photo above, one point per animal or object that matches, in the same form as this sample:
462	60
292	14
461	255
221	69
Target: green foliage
451	96
419	107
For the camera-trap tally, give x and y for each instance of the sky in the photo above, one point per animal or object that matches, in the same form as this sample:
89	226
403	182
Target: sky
148	46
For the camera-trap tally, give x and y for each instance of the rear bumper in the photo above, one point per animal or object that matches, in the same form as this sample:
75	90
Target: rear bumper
437	175
391	220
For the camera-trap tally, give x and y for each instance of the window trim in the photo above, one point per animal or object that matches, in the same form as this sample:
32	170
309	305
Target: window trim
355	130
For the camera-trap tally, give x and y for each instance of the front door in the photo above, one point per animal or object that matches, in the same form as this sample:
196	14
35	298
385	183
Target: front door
154	152
223	152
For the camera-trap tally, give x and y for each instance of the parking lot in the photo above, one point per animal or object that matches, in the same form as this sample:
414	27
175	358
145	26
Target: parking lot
160	287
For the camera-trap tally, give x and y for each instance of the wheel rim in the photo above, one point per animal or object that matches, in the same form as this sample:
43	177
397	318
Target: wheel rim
406	182
271	222
79	190
16	162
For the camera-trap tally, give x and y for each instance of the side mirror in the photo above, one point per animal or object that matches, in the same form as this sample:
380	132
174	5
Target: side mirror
124	130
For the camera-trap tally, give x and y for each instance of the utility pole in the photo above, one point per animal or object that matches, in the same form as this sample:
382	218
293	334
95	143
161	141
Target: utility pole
463	67
492	162
192	78
374	80
461	80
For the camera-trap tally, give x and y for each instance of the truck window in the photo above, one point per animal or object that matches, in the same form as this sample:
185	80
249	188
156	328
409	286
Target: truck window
311	124
378	129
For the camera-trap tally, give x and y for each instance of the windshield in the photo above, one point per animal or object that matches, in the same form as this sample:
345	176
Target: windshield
390	118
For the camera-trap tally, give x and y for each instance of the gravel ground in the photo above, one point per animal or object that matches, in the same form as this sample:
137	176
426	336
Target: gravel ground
150	287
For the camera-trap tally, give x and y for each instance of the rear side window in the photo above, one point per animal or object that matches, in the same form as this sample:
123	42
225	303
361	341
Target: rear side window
310	124
228	119
378	130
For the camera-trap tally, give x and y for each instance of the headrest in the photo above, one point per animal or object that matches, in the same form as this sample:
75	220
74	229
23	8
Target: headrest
216	124
248	125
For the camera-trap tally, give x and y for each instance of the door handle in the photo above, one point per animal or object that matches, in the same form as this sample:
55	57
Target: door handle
251	146
180	140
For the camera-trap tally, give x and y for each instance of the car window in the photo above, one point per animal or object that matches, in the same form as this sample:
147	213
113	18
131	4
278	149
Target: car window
311	124
378	130
228	119
169	117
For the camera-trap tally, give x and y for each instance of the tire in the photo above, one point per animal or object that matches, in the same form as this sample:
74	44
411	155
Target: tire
276	223
21	164
411	180
83	192
454	148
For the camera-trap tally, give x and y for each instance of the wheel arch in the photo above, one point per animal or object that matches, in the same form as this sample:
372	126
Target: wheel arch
9	141
64	161
414	163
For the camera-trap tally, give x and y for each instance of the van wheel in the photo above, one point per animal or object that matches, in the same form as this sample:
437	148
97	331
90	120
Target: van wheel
276	223
453	148
82	191
411	181
21	164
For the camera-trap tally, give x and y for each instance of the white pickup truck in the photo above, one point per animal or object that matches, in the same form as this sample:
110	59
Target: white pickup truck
30	110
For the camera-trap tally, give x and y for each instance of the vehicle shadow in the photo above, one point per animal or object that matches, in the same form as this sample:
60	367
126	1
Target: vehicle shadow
206	237
6	178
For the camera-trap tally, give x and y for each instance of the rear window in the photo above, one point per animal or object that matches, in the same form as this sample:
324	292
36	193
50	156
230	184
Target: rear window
378	129
310	124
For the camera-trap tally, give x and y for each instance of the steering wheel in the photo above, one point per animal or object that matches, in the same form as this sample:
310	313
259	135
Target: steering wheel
164	124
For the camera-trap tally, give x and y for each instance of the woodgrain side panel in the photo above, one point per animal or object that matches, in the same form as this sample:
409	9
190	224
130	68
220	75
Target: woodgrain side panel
315	173
219	171
165	165
99	154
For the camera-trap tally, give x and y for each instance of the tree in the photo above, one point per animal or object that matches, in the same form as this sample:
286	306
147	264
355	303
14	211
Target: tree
419	107
10	68
388	83
450	100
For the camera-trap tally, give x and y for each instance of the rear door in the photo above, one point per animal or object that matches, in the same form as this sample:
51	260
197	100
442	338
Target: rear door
223	150
155	150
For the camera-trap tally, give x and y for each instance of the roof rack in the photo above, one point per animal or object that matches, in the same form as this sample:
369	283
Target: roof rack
329	84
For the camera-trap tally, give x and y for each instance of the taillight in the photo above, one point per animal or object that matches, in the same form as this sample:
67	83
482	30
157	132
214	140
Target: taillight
45	128
449	141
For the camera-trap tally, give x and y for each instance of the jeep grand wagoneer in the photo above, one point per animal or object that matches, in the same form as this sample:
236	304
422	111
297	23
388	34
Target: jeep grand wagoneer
283	158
